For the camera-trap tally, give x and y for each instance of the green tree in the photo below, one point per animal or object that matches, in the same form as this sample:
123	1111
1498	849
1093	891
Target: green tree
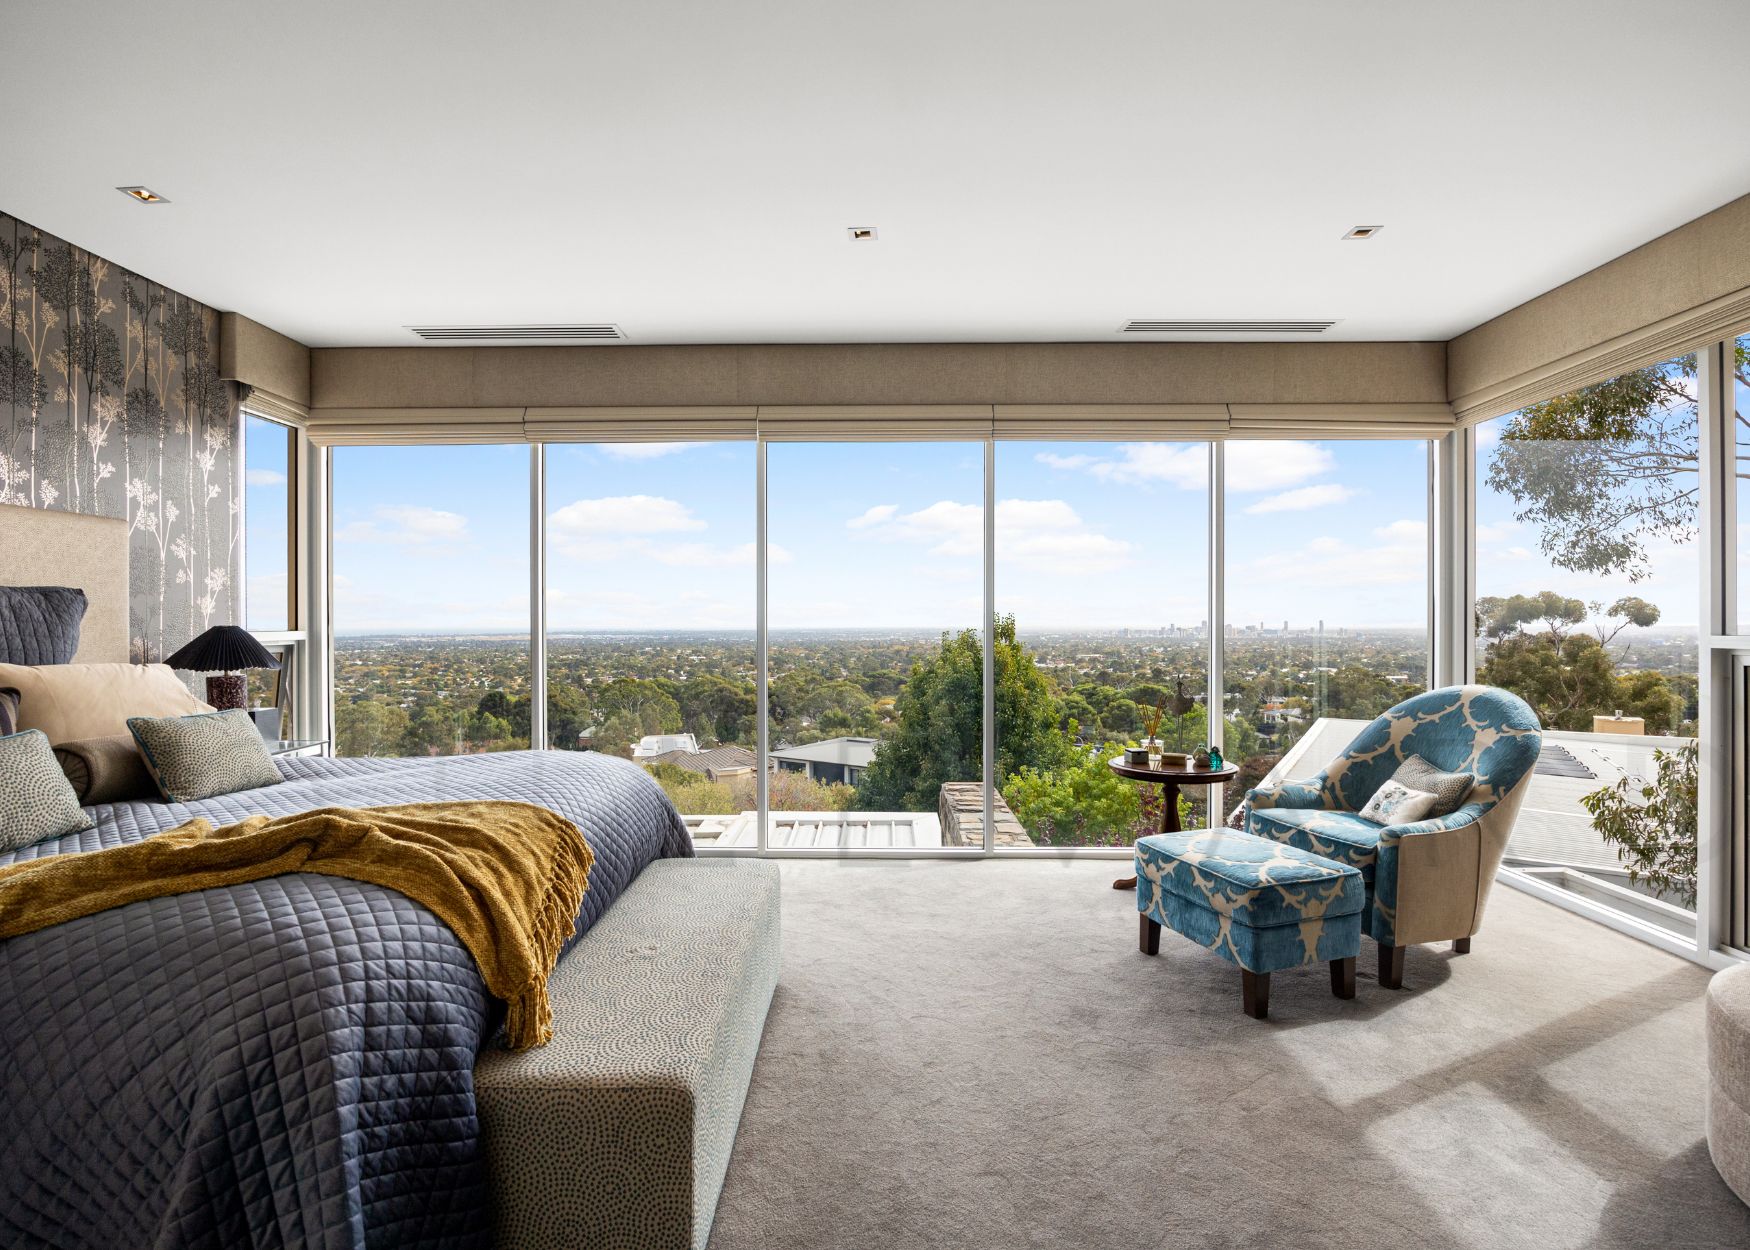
1606	469
1568	677
369	728
939	737
1080	802
1656	837
626	694
432	730
715	708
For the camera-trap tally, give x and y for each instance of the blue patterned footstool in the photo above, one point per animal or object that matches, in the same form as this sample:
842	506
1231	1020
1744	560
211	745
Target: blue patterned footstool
1262	904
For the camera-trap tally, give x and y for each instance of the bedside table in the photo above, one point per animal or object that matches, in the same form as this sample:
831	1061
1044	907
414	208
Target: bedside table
305	746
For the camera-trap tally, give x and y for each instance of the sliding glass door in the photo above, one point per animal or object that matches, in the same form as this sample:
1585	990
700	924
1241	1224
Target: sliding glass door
431	599
1326	594
875	643
650	619
1102	579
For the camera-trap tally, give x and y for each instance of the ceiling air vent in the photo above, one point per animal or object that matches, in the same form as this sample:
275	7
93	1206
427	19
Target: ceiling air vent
1227	327
519	334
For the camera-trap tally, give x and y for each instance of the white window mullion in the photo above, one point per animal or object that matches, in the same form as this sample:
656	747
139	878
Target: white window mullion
538	597
762	787
990	619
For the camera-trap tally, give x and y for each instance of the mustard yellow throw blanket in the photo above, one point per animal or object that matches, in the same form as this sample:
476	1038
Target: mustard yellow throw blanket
508	878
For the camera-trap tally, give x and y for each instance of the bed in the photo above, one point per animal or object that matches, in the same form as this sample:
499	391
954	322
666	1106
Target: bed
283	1063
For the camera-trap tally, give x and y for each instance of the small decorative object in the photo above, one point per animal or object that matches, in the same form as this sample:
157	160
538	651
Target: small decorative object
1137	757
1215	760
1200	759
1174	759
1150	734
220	650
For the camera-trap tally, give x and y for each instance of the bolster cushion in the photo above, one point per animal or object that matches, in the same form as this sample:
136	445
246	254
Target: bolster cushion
106	770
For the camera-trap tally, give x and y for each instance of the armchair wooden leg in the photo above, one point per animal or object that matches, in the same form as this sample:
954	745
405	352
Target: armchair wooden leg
1343	977
1255	990
1150	938
1391	967
1461	946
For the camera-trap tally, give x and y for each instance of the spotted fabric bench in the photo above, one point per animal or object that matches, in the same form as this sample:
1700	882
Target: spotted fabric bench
618	1131
1263	905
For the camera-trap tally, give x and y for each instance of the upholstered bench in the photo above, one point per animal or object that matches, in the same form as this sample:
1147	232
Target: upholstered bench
1728	1076
618	1131
1263	905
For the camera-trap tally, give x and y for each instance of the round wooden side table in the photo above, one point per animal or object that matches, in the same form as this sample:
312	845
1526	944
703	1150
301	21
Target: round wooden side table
1169	780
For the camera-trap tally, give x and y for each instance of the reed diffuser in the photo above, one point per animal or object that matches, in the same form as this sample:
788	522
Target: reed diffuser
1150	727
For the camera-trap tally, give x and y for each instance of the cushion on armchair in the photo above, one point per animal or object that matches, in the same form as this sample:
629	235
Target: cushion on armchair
1450	790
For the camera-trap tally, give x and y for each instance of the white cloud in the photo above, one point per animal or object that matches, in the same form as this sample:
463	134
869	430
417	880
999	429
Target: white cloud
1304	498
645	451
1399	532
263	477
875	515
1065	462
1272	465
1038	535
1498	532
622	514
407	526
1185	465
1326	562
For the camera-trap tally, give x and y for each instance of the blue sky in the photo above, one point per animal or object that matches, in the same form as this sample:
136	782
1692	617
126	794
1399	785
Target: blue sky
660	536
264	504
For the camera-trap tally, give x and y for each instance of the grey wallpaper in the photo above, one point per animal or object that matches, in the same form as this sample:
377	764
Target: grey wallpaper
111	403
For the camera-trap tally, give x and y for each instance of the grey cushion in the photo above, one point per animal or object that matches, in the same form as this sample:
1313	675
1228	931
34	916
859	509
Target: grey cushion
40	624
36	800
1449	789
198	757
8	711
106	770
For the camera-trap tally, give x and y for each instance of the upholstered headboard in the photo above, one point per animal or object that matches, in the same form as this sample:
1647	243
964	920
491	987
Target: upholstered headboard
39	547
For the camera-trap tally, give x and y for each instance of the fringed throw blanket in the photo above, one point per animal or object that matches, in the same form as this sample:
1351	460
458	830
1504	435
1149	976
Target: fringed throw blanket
507	877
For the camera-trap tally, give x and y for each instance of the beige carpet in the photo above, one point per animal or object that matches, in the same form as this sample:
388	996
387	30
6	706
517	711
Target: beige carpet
976	1055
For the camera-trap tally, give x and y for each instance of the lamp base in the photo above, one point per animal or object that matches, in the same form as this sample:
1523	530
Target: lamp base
228	691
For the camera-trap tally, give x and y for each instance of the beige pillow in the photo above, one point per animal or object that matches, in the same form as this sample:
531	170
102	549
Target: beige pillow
73	701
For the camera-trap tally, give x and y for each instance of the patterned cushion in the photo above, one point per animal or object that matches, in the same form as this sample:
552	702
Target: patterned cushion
1342	836
36	800
1394	803
198	757
40	624
8	712
1255	881
1449	789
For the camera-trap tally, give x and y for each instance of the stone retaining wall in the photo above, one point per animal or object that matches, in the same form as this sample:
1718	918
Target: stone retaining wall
962	812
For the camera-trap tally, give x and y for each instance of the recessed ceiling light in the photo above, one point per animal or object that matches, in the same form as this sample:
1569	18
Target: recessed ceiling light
1363	232
861	234
143	194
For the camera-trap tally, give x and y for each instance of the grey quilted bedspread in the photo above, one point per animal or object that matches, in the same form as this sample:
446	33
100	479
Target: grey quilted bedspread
281	1064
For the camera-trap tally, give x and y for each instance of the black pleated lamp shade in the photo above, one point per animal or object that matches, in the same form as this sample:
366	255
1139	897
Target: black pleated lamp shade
223	649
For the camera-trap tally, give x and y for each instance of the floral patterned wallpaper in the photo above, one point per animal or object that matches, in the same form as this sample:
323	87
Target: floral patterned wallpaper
111	403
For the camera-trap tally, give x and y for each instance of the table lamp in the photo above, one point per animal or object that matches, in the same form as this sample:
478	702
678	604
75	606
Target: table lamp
219	650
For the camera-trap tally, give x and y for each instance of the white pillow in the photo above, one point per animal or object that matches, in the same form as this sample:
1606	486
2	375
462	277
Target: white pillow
1394	803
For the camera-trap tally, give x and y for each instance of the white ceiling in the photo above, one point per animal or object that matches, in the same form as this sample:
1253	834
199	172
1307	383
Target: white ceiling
1037	171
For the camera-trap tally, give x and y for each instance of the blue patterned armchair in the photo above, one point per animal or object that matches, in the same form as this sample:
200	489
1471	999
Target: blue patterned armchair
1427	881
